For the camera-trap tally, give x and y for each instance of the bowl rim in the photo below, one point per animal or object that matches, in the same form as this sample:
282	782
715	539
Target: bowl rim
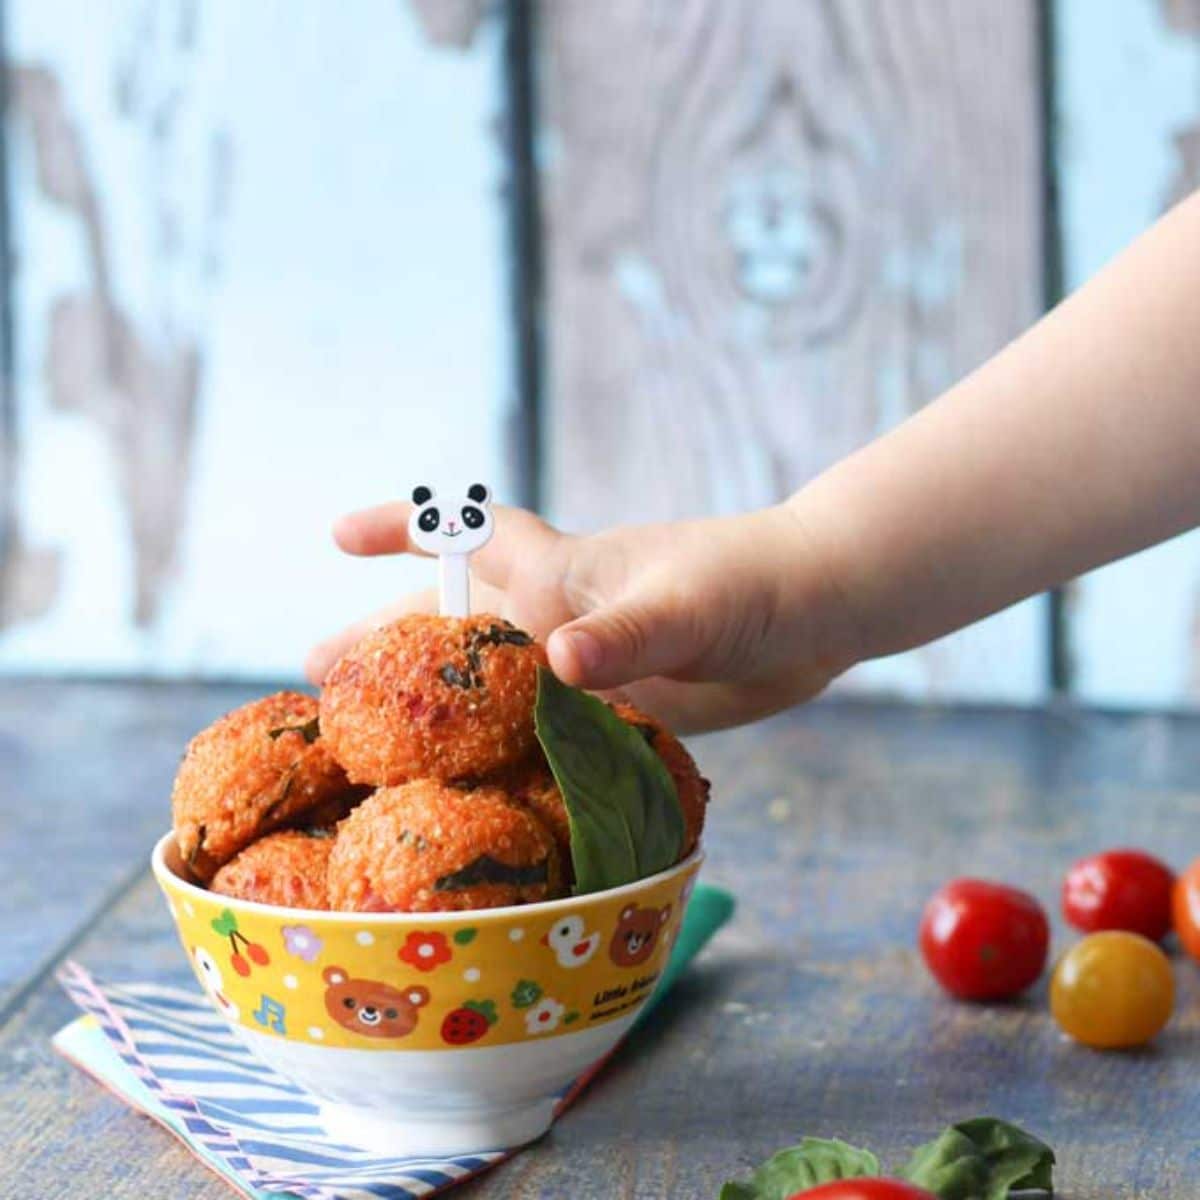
163	873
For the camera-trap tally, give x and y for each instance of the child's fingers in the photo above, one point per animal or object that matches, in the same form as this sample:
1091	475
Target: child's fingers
521	537
625	642
379	530
323	655
700	707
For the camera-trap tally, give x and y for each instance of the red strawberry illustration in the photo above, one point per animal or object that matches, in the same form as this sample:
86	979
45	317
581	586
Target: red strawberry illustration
468	1023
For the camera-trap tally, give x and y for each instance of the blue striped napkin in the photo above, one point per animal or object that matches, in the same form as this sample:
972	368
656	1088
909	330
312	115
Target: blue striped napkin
165	1052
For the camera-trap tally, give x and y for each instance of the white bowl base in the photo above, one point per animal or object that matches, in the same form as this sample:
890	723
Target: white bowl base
500	1128
438	1102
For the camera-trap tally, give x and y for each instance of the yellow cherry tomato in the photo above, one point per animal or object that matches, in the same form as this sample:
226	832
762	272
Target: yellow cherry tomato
1112	990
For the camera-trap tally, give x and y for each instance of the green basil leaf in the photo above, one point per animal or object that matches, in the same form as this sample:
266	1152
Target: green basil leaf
813	1162
982	1159
309	731
621	801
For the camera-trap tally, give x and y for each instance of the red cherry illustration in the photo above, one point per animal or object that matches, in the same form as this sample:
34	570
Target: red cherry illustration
240	965
258	953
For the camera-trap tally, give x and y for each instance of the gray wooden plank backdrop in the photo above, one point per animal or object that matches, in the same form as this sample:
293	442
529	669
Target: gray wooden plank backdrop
260	277
773	231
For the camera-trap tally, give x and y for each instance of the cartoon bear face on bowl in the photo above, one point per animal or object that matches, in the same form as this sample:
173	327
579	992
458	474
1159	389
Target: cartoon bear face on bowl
637	934
450	524
371	1008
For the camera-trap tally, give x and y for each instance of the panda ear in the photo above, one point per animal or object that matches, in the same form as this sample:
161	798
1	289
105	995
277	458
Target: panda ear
627	912
418	997
333	975
479	493
664	914
422	494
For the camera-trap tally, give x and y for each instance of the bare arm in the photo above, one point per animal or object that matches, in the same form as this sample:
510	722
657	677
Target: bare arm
1076	445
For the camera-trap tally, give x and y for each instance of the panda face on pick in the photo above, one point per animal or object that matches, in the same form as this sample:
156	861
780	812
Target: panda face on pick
450	524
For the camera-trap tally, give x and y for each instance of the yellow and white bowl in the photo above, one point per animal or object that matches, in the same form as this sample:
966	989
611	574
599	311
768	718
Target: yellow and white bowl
431	1033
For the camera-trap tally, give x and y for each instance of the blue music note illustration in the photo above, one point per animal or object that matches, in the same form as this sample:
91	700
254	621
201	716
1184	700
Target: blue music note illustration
271	1012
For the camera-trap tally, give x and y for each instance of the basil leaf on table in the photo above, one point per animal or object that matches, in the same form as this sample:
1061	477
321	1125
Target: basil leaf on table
813	1162
982	1159
621	801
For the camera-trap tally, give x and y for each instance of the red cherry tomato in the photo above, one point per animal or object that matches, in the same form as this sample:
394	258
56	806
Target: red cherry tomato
1187	909
1120	889
984	941
865	1189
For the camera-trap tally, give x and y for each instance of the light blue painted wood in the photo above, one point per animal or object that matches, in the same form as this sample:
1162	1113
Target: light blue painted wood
1129	86
306	197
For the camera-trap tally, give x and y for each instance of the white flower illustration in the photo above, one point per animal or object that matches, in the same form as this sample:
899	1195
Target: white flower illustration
543	1016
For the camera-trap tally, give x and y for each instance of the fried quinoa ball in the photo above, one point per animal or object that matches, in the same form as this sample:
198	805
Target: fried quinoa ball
532	786
432	697
690	785
257	769
323	817
428	847
287	868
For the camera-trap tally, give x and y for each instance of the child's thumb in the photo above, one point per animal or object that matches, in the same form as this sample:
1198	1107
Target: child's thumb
622	643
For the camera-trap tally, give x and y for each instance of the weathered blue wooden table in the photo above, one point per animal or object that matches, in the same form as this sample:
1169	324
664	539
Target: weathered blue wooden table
811	1014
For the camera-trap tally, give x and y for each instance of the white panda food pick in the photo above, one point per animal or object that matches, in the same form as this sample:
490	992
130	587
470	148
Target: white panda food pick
452	527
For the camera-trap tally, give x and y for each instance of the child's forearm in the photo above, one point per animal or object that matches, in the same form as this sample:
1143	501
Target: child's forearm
1078	444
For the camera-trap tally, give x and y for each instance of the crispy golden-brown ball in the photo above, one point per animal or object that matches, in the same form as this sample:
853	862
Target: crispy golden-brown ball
326	814
288	868
257	769
428	847
432	697
531	785
691	786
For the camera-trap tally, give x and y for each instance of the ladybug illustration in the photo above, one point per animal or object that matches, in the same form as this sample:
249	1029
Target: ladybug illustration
469	1023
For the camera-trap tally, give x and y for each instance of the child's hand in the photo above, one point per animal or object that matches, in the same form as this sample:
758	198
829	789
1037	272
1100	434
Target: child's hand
1076	445
704	623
